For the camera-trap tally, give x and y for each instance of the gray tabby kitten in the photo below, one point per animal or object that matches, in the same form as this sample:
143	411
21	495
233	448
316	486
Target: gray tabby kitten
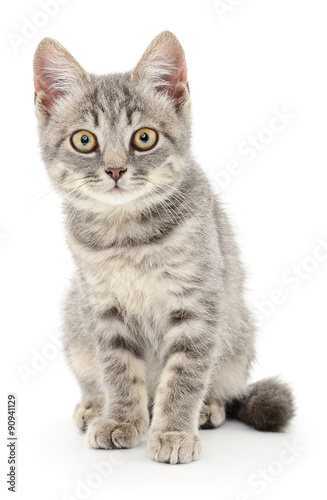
156	329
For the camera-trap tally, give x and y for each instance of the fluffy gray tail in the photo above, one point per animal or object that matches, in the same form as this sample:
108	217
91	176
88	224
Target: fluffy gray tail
268	405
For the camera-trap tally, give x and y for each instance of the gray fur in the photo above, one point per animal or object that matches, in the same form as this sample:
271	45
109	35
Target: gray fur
267	405
155	322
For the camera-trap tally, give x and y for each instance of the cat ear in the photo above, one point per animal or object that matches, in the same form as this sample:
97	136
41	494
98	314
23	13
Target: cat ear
163	68
56	74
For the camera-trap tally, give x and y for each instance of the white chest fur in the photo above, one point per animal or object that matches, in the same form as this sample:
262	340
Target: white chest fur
143	281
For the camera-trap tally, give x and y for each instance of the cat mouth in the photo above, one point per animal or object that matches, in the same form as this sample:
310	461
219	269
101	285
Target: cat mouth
115	189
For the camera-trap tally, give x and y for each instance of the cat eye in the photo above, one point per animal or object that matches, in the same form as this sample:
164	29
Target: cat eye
144	139
84	141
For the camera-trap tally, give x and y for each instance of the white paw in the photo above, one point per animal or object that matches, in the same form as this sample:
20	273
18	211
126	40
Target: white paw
86	410
212	414
174	447
109	434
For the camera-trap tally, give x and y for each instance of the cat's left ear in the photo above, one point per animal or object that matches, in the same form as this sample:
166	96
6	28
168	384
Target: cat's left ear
163	68
56	74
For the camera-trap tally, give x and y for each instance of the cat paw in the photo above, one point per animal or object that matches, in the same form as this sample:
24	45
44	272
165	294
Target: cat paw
86	411
174	447
212	414
109	434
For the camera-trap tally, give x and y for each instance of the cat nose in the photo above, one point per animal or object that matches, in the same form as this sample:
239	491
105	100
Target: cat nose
115	173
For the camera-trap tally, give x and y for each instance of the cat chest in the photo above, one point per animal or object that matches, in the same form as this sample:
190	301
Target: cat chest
139	290
146	282
132	286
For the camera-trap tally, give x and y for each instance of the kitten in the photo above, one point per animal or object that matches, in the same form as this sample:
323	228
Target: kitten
156	329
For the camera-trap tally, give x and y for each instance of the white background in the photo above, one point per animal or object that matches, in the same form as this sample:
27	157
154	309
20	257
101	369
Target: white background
257	57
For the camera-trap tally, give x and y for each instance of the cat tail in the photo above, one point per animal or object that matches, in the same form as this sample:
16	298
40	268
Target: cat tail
267	405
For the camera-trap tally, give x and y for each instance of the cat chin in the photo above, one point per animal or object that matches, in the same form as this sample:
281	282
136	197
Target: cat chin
102	200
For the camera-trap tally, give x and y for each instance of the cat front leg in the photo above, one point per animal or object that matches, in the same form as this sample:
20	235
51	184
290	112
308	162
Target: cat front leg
121	366
81	359
174	431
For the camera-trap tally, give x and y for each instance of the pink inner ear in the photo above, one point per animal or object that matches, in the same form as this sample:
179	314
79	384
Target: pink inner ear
174	54
176	76
46	78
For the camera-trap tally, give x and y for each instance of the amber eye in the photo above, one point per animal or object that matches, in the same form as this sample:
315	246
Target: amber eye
144	139
84	141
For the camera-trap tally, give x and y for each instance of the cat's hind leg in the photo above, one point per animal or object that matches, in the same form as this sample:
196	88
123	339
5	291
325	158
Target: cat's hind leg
229	381
89	408
212	414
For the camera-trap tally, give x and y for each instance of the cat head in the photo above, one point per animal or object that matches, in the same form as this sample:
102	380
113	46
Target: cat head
114	139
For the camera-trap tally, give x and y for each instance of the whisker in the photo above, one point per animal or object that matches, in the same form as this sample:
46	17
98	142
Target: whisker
52	190
178	196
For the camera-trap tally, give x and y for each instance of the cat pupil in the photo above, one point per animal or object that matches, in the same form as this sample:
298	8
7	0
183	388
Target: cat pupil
84	139
144	137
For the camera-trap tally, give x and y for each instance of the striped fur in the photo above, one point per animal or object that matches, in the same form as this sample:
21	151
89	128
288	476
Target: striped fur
155	324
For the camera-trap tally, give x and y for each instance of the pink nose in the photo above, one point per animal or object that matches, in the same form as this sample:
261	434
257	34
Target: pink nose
115	173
